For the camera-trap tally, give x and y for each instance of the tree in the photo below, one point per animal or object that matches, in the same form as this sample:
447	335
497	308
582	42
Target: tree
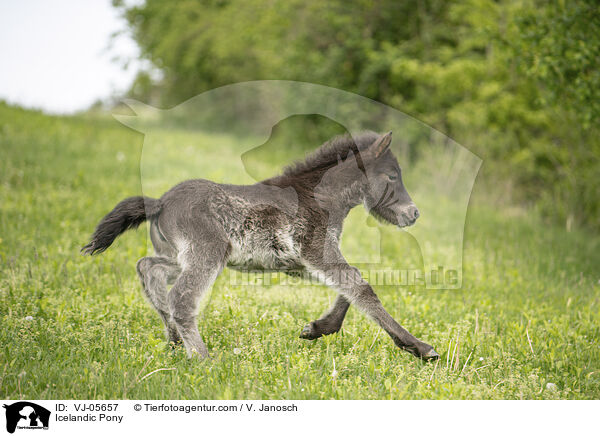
516	81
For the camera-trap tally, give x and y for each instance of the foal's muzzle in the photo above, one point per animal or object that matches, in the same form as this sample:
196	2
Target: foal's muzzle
408	215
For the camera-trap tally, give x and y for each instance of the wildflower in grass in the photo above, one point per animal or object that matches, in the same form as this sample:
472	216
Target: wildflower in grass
237	351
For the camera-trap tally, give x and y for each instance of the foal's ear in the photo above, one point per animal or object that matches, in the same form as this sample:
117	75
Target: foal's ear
381	144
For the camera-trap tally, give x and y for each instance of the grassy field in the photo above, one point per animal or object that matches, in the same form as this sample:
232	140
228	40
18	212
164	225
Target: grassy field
524	325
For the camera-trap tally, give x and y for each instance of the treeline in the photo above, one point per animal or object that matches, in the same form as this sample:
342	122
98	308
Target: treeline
515	81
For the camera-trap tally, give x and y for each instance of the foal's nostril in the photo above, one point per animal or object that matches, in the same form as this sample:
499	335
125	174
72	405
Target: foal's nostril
413	213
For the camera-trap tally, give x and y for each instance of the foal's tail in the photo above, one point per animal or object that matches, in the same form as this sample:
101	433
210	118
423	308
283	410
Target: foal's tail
128	214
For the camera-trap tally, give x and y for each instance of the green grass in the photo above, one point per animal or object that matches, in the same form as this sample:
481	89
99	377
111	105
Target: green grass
93	336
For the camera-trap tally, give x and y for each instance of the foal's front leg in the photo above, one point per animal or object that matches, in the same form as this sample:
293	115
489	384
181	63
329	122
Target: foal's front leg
350	284
330	322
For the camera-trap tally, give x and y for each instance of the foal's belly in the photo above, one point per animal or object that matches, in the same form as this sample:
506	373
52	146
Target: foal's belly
264	254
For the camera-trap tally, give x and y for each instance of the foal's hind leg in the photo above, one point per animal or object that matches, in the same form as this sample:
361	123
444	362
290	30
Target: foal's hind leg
199	273
156	273
330	322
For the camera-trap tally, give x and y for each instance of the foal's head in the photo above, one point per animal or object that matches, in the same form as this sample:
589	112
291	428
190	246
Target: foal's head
354	170
385	196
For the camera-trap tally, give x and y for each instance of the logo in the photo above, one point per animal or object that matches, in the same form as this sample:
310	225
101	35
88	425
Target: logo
26	415
439	171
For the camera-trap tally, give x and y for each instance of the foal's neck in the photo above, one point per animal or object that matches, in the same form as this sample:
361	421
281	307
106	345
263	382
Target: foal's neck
341	189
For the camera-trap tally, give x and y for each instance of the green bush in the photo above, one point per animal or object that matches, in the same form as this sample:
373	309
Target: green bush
517	82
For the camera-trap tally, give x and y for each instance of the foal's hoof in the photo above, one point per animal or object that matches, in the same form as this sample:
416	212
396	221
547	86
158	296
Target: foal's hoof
309	332
430	356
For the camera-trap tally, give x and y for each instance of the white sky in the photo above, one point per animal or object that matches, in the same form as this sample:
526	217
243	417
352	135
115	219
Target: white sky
57	55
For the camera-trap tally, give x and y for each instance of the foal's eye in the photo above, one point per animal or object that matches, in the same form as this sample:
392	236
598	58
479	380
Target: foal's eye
393	177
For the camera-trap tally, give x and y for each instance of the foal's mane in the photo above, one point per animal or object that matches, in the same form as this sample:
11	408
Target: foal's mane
329	154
